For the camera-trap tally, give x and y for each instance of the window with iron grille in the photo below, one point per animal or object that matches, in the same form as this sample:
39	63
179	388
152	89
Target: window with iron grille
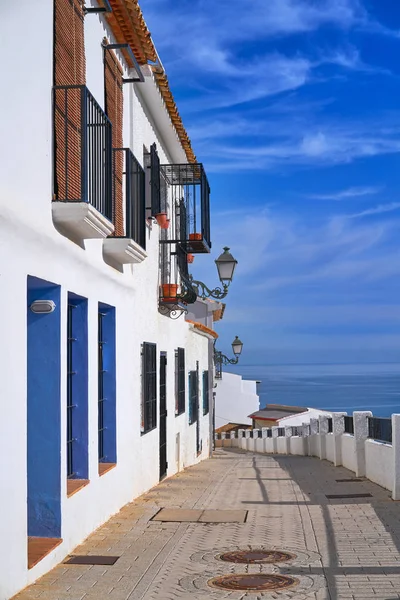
101	372
77	388
70	403
180	381
193	397
149	387
206	393
107	446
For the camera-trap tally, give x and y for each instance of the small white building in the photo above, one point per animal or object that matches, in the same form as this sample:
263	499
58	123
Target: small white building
235	397
102	202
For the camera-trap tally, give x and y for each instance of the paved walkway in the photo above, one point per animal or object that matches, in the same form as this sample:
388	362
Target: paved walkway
345	548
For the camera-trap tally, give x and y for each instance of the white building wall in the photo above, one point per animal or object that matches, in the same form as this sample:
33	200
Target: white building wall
348	452
235	399
30	245
379	463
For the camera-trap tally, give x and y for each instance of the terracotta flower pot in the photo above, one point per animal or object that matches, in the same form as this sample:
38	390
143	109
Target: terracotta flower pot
161	219
195	236
165	225
190	258
169	291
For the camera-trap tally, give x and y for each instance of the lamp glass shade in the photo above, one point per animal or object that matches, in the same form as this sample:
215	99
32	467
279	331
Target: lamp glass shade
226	265
237	346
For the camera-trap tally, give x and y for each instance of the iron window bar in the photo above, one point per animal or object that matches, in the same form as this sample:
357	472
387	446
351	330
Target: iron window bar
101	399
180	375
206	393
128	49
83	149
134	190
70	402
149	375
380	429
193	397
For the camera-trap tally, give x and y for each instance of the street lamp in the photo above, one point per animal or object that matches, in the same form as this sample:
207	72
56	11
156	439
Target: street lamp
226	265
220	359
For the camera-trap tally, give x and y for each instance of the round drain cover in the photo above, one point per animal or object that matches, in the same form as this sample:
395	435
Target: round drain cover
256	581
250	557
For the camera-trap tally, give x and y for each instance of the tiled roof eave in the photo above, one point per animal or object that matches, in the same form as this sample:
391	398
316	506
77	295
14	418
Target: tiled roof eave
128	26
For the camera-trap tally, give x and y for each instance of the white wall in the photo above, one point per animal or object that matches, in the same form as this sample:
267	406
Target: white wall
348	452
235	399
379	463
330	450
300	418
30	245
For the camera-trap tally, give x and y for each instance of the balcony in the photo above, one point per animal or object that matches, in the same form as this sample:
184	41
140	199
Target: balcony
183	192
128	244
83	199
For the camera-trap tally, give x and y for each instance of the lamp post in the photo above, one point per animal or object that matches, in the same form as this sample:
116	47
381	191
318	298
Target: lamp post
226	266
220	359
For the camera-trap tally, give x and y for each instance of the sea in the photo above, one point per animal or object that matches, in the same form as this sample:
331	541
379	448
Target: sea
347	387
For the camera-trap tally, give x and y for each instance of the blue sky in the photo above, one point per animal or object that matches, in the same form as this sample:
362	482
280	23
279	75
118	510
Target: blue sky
293	106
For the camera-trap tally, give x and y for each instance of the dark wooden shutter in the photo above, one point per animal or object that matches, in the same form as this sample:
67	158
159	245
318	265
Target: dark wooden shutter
69	69
114	100
155	181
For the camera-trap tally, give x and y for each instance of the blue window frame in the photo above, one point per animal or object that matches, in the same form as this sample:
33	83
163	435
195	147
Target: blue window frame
77	388
107	423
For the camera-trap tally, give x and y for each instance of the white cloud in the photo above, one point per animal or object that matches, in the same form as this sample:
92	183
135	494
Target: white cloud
352	192
377	210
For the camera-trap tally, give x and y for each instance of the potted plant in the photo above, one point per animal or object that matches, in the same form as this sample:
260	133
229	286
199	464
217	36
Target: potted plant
190	258
165	225
169	291
161	219
196	236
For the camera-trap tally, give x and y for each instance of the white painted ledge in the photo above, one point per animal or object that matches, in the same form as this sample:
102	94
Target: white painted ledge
123	251
80	221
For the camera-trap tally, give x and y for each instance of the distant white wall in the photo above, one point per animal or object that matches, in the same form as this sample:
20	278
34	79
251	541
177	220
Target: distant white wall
235	398
300	418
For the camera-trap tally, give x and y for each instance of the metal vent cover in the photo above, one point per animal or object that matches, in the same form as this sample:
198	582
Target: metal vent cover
257	556
253	582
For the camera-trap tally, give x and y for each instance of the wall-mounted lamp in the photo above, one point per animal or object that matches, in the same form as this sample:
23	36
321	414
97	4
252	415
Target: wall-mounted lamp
220	359
42	306
226	266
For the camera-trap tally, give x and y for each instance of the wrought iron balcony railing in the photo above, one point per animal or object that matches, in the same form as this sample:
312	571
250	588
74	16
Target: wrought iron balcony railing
82	149
129	182
182	191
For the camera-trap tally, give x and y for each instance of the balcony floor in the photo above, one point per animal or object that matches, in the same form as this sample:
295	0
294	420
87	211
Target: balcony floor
345	548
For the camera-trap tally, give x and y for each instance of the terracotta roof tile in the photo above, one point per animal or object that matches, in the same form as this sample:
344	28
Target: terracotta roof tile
129	26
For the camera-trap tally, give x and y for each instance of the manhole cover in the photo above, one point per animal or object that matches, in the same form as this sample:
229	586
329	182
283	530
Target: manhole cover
256	581
250	557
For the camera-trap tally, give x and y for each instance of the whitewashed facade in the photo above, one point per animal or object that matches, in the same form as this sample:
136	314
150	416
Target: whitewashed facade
235	399
35	258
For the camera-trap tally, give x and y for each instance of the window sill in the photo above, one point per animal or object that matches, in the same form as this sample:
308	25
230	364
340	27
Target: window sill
74	485
148	430
39	547
105	467
178	414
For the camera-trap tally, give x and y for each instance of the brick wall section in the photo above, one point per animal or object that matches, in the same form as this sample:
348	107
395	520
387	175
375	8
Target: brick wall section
114	109
69	69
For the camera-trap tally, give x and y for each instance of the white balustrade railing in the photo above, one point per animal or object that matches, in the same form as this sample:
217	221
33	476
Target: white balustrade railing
327	439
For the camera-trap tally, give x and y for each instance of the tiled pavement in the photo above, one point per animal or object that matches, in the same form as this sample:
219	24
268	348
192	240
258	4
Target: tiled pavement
344	548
